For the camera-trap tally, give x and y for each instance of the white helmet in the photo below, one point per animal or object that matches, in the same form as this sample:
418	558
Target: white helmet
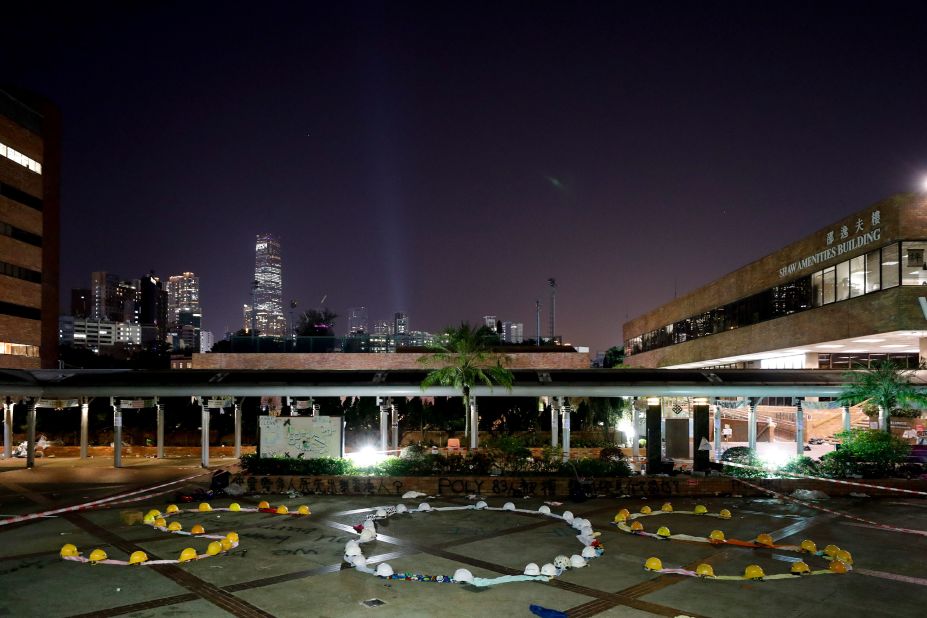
589	552
579	522
532	569
351	548
384	569
577	561
586	530
480	505
544	509
401	508
568	517
562	562
367	534
424	506
381	513
549	570
463	576
508	506
359	561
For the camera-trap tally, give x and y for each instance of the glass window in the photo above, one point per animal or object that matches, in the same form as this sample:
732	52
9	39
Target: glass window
913	264
830	280
857	276
817	289
872	271
889	266
843	280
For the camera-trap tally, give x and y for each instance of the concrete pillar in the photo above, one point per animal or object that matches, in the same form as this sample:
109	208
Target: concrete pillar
394	427
700	459
718	409
84	427
204	438
885	420
654	436
474	424
159	436
811	360
117	432
237	414
554	420
7	428
799	427
846	418
751	422
566	410
30	435
635	423
384	410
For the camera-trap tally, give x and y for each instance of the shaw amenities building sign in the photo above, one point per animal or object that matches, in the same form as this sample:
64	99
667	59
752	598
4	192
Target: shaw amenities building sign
860	236
300	437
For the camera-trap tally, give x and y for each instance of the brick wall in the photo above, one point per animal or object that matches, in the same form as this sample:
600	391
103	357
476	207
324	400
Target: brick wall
375	362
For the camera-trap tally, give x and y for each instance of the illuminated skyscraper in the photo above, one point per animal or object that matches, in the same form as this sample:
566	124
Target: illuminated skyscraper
183	296
268	287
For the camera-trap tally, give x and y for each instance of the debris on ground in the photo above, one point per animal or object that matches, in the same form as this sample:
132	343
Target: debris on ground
856	494
235	490
412	494
809	494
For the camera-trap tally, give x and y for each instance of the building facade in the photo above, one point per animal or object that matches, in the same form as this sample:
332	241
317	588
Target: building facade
850	294
268	287
98	334
29	231
357	320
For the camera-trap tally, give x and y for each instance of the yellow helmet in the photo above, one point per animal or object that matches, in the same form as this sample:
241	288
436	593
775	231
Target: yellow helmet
174	526
844	556
754	571
235	507
663	531
620	517
636	526
667	507
831	550
646	510
303	510
172	508
624	512
68	549
138	557
704	570
716	536
800	568
764	539
214	548
282	510
653	564
160	522
263	504
204	507
97	555
197	529
226	544
700	509
809	546
838	567
724	514
187	555
150	516
232	537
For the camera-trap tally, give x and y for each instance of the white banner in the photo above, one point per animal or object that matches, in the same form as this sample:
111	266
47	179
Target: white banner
58	404
300	437
136	404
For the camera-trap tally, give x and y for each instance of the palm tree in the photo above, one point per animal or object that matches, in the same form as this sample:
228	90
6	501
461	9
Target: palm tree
884	384
462	357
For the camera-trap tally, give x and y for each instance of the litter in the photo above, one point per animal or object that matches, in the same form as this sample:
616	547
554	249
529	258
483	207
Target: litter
412	494
809	494
855	494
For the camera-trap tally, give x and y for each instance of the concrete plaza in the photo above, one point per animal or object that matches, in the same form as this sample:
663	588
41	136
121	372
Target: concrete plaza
289	566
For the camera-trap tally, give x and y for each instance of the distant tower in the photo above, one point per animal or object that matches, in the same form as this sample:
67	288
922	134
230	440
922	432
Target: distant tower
183	308
400	323
357	320
268	293
490	322
553	307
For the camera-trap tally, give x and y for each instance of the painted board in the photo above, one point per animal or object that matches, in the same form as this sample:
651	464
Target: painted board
300	437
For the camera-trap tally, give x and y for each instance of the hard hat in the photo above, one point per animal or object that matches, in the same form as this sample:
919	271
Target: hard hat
172	508
700	509
577	561
204	507
764	539
578	522
844	556
351	548
508	506
716	536
624	512
232	537
663	531
359	561
544	509
424	506
667	507
653	564
235	507
197	529
463	576
150	516
379	513
401	508
568	517
97	555
587	531
213	548
636	526
282	510
187	555
226	544
263	504
174	526
160	522
303	510
68	549
620	517
754	571
724	514
646	510
138	557
549	570
384	569
809	546
838	567
589	552
367	534
532	569
831	550
800	568
480	505
704	570
562	562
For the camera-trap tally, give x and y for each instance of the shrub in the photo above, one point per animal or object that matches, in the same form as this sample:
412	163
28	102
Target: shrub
307	467
866	452
746	457
802	465
610	453
589	467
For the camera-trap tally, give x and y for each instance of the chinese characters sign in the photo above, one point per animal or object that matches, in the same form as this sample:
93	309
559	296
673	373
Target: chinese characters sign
300	437
841	240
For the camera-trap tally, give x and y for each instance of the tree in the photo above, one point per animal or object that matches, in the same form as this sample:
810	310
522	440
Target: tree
614	357
317	323
884	384
462	357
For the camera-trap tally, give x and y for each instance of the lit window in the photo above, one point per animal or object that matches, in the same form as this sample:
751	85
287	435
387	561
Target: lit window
18	157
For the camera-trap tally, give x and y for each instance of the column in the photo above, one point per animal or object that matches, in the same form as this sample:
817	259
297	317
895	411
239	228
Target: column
799	427
204	438
846	418
717	430
7	428
700	458
384	409
566	410
654	436
474	424
159	436
394	427
30	435
554	420
84	426
885	420
635	424
237	414
751	422
117	432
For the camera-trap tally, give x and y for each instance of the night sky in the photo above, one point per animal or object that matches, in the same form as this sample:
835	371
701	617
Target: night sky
445	159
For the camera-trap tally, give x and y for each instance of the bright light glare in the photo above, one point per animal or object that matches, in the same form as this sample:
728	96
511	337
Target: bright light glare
366	457
774	457
924	184
626	427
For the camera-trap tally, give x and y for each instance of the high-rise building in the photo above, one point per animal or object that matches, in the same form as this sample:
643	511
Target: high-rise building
152	310
206	341
383	327
112	299
400	323
29	231
268	286
357	320
513	332
247	315
183	309
490	322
